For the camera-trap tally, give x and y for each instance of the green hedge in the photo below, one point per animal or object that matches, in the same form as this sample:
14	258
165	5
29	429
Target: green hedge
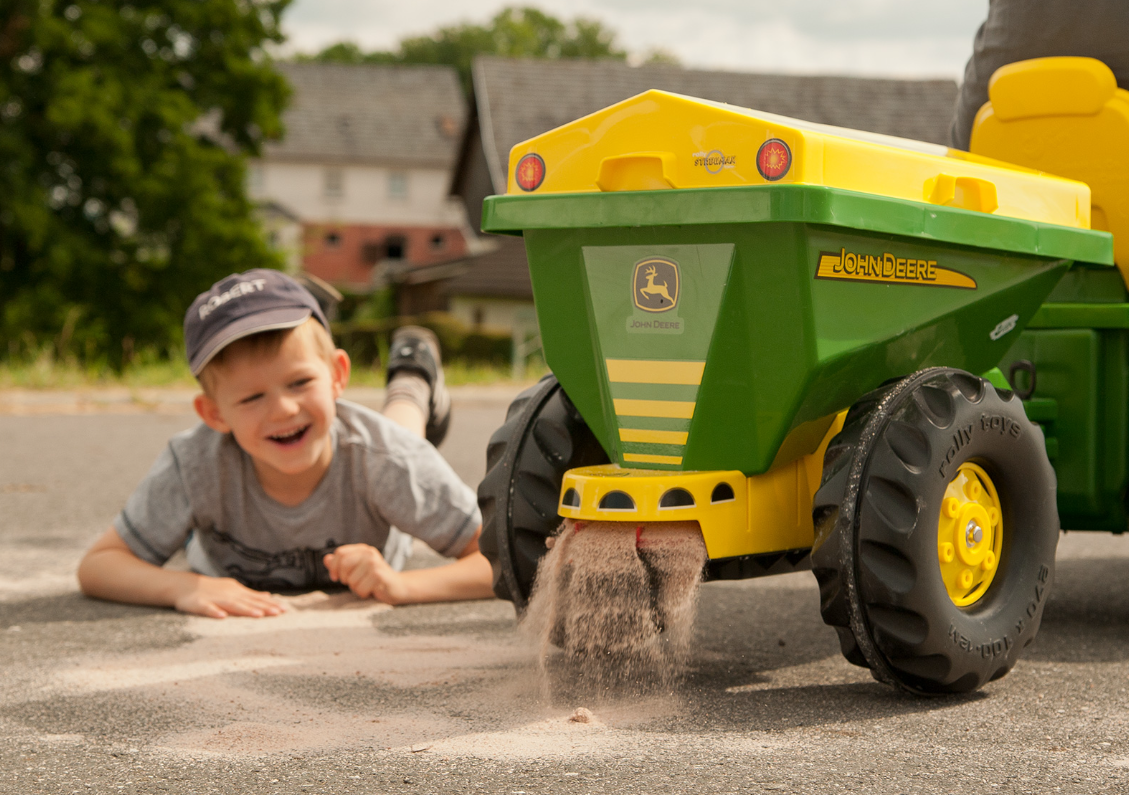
366	341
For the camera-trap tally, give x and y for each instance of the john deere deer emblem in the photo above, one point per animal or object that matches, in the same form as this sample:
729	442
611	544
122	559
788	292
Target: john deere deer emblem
656	284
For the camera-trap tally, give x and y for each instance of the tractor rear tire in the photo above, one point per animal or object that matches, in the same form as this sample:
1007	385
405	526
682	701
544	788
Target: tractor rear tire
887	493
543	437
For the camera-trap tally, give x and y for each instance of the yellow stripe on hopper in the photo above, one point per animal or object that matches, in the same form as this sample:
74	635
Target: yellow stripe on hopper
639	458
675	409
654	437
645	371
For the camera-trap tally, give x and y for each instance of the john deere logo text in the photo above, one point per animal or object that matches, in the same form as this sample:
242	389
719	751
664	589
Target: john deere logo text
656	284
888	269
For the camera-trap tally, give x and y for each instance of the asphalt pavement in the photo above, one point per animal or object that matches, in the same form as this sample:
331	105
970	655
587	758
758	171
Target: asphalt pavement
344	696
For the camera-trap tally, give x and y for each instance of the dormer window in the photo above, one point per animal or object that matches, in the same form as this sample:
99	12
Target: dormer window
397	185
334	184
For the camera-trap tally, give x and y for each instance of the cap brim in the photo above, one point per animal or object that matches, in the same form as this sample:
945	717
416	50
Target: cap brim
288	317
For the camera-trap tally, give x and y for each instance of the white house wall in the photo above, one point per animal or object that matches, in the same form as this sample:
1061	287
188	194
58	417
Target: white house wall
365	194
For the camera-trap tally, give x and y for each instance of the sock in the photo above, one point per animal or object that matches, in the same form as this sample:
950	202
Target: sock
411	387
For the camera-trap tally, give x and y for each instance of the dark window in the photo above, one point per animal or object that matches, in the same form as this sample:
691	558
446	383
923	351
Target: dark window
395	247
479	315
333	239
437	241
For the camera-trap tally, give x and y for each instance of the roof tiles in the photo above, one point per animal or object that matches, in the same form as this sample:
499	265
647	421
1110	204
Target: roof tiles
400	115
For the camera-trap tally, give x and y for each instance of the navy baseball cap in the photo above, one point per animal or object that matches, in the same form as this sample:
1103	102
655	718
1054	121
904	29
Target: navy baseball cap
241	305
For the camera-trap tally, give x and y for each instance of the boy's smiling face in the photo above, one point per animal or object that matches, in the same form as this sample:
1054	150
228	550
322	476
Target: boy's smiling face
280	408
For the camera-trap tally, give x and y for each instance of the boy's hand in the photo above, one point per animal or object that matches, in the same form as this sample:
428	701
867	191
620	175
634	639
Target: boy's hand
219	597
110	570
367	573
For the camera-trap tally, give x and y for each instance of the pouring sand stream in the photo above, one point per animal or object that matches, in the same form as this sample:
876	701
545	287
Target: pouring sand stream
619	601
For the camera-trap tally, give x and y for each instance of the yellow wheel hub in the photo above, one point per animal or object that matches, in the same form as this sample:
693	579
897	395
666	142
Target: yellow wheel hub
969	534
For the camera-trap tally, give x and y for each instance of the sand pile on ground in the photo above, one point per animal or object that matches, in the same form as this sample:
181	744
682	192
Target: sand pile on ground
619	600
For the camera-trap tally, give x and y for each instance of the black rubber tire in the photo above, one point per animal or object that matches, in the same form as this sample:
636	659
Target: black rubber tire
876	517
543	437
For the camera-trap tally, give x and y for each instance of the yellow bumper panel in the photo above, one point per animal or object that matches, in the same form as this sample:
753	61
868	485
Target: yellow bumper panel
738	515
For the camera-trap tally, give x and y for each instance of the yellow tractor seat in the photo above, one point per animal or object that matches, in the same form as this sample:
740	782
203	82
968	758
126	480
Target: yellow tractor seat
1064	116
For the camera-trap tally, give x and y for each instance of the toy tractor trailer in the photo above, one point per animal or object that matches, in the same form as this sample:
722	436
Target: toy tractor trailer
777	330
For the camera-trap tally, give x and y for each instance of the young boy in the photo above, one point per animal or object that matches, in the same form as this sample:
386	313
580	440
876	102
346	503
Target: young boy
285	486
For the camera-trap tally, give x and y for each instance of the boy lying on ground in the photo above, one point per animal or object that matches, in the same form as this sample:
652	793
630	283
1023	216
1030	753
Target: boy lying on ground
284	486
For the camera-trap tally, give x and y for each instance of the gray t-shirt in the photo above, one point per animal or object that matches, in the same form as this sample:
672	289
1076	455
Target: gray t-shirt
382	480
1017	30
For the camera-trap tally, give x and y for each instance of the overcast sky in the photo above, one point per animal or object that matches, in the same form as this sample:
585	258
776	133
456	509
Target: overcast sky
897	38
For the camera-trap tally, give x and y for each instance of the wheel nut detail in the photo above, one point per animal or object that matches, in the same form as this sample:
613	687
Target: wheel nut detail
972	534
969	534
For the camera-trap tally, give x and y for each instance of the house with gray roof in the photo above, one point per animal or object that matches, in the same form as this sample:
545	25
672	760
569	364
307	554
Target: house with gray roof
518	99
365	165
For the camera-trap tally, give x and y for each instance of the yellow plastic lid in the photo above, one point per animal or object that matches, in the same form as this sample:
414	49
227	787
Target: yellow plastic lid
659	140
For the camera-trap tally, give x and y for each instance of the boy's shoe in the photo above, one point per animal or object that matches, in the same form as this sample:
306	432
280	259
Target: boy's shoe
415	349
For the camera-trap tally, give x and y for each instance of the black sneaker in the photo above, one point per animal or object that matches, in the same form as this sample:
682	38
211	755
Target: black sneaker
415	349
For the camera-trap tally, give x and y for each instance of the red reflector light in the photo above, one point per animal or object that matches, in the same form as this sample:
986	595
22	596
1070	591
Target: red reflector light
774	158
530	172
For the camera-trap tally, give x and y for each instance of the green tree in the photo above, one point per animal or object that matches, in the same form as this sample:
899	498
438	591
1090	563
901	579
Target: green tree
514	32
124	128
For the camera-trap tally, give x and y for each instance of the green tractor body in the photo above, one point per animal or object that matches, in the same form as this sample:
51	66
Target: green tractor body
789	334
784	346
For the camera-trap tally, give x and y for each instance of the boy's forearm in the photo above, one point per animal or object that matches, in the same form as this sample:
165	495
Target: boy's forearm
119	576
469	577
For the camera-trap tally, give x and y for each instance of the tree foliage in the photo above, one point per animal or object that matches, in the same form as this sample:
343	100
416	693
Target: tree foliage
514	33
123	132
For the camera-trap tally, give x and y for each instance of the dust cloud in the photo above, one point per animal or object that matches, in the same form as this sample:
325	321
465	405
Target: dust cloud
618	600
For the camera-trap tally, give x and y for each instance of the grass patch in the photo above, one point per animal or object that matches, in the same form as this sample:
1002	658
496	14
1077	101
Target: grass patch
458	373
46	372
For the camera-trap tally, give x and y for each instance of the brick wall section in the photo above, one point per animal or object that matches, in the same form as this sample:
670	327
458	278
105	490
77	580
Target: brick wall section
349	262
